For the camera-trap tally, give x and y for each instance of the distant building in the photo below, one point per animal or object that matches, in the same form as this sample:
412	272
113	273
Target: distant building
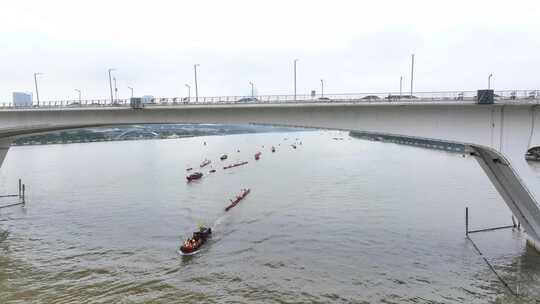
22	99
147	99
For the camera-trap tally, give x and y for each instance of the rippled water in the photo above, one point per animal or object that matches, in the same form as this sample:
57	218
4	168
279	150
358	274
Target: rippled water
348	221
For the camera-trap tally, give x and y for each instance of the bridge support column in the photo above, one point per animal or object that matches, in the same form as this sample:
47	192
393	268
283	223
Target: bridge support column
5	143
514	192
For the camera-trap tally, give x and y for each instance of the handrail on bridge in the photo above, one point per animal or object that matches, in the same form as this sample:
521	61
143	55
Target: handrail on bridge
532	96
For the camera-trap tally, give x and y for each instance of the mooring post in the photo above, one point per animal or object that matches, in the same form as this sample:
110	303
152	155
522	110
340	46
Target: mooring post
513	222
20	188
466	220
23	193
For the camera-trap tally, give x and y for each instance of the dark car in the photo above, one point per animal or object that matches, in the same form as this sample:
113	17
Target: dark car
247	99
370	97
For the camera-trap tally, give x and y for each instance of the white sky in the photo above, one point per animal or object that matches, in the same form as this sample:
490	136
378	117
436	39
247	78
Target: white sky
356	46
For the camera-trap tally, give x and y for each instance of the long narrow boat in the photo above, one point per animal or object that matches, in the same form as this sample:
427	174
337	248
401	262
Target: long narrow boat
205	163
240	197
235	165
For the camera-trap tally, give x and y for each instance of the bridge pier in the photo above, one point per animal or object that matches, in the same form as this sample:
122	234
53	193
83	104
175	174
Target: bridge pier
5	143
517	197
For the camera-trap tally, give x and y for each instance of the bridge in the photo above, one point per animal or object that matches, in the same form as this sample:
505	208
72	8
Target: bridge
498	135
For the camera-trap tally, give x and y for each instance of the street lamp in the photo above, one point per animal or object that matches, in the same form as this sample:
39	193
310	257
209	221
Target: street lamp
295	78
188	91
252	91
196	86
412	74
35	82
110	83
489	81
79	91
400	86
322	87
131	89
115	90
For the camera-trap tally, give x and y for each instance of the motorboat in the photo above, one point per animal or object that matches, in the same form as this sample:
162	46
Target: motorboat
193	244
194	176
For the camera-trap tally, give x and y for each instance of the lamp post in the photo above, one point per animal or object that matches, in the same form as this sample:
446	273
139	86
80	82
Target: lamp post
412	74
322	87
131	89
188	91
110	83
252	90
79	91
489	81
35	82
295	78
196	85
400	86
115	90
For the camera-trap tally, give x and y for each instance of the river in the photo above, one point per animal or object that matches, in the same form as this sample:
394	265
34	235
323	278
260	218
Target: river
333	221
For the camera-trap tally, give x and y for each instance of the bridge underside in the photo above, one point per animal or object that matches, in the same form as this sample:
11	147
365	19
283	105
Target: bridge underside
497	135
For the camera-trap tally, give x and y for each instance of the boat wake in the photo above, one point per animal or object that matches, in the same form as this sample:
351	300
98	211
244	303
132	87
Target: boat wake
218	221
187	254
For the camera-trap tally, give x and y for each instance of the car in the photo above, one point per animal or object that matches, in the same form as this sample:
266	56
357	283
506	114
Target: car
247	99
324	99
370	97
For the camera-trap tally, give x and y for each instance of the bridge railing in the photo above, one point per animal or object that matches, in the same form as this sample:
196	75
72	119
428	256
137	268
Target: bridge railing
521	96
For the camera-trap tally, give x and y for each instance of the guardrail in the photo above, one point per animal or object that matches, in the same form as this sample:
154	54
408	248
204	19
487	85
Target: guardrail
531	96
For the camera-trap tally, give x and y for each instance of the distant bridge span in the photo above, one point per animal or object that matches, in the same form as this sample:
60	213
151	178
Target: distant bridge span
498	135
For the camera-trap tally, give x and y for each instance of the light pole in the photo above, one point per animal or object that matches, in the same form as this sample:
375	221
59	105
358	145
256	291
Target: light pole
412	74
115	90
295	78
252	91
196	86
489	81
188	91
110	83
400	86
79	91
322	87
131	89
35	82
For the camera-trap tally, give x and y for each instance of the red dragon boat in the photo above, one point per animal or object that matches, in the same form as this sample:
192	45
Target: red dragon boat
235	165
237	200
205	163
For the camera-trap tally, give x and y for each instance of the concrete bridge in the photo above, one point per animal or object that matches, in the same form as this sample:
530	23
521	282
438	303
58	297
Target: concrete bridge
498	134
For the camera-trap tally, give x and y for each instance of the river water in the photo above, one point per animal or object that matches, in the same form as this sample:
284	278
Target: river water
333	221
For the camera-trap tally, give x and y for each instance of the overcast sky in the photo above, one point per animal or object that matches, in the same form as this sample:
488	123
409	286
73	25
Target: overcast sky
355	46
